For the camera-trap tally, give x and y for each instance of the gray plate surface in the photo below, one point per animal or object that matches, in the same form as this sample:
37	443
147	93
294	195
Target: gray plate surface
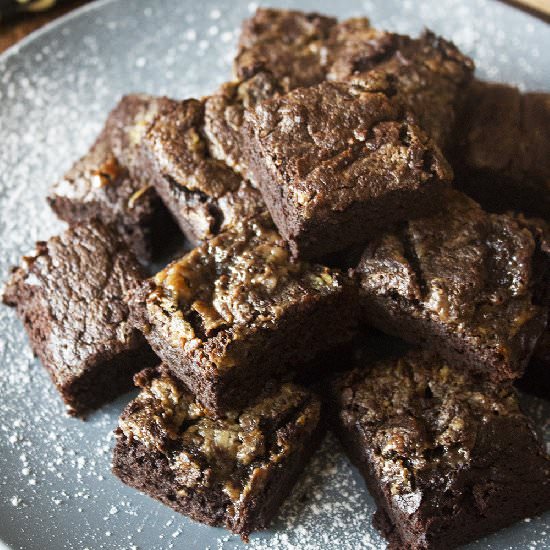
56	490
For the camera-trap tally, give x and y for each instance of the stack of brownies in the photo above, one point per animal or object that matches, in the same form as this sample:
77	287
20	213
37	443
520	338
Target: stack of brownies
316	195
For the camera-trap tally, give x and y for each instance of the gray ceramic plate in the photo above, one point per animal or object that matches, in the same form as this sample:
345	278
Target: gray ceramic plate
56	490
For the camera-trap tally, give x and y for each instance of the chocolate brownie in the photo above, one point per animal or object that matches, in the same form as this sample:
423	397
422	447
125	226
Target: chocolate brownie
461	282
203	194
70	297
106	184
236	311
337	162
430	73
504	154
231	472
447	457
288	44
301	49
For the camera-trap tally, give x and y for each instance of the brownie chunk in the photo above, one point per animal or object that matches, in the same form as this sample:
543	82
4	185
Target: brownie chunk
448	458
232	472
289	44
430	73
461	282
337	162
504	157
106	184
203	194
70	297
236	311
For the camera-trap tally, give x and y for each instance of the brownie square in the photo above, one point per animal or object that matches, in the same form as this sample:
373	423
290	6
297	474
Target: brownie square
337	162
70	296
430	73
237	311
461	281
447	457
105	183
288	44
504	155
232	472
203	194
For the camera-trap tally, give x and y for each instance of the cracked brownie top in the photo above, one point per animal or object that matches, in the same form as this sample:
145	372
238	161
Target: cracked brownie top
337	143
232	286
228	454
202	192
72	291
417	416
461	267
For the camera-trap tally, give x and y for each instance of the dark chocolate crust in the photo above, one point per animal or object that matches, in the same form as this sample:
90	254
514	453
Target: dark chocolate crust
238	469
106	183
203	194
70	296
237	307
503	158
447	457
461	282
338	162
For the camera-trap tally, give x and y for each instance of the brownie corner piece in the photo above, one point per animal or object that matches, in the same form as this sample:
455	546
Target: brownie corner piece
106	183
447	456
232	472
237	310
70	295
339	161
463	282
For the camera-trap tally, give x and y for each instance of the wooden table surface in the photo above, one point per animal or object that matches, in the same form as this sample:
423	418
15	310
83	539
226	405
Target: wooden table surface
11	32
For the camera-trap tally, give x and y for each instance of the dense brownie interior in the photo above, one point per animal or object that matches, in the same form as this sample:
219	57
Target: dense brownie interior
231	471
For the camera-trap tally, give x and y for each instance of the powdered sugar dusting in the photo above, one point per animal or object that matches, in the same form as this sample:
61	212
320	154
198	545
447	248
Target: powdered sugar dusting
56	489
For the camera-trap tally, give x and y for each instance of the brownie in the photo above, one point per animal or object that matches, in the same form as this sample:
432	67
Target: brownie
237	311
70	296
460	281
106	184
288	44
447	456
430	73
232	472
338	162
301	49
203	194
504	154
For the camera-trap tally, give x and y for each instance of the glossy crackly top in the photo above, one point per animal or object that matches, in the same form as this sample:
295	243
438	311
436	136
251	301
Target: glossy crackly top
237	282
420	416
323	140
230	454
73	289
461	266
